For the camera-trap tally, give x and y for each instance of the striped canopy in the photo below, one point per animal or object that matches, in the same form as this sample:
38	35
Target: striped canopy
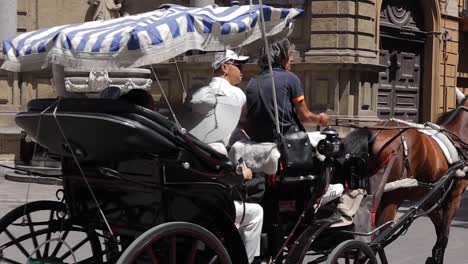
144	39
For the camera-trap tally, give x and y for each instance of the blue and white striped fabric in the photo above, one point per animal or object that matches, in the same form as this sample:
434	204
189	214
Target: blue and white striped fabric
144	39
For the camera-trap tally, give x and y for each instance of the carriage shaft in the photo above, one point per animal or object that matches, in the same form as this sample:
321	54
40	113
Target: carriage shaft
441	188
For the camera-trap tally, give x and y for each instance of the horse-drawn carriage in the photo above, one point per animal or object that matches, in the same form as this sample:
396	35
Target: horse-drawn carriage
137	188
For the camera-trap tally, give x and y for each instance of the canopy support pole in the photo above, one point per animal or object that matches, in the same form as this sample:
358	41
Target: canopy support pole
267	51
58	79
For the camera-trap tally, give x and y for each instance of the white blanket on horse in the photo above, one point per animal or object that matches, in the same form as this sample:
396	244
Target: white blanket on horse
442	140
264	157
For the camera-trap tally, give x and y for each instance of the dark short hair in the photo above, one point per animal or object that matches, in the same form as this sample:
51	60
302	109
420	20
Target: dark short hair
278	53
139	97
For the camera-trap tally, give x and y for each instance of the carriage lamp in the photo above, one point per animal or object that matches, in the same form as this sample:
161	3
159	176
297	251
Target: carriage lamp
332	145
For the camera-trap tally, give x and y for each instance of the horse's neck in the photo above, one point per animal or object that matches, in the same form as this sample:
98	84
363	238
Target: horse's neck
459	126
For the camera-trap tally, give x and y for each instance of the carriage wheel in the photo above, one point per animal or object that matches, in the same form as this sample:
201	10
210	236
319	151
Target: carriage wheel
38	232
176	242
352	251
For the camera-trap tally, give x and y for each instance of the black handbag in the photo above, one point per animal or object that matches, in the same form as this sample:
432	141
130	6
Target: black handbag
297	153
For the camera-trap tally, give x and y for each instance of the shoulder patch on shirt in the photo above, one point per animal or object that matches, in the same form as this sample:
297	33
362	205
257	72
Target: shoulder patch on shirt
298	99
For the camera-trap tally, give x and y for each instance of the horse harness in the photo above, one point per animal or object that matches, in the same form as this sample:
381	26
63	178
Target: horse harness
403	144
457	142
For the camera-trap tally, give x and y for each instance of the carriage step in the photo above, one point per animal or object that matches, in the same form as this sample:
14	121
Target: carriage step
298	179
16	177
46	170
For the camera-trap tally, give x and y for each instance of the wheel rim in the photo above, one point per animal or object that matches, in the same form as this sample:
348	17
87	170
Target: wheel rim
355	257
38	232
179	246
352	252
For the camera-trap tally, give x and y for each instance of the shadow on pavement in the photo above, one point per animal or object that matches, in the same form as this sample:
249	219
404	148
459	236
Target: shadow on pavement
461	218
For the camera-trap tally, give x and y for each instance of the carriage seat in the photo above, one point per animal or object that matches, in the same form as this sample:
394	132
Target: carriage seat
101	105
105	128
264	157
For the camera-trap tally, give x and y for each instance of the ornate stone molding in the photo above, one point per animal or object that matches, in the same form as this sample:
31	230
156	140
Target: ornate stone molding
93	81
401	14
81	84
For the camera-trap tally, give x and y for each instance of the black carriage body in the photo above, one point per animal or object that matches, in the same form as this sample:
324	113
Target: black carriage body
143	196
140	169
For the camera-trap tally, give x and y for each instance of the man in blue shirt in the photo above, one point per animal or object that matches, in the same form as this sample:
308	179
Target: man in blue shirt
292	107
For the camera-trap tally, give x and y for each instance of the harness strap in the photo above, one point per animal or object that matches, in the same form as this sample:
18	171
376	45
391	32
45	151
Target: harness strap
405	155
388	163
403	142
403	129
371	141
382	164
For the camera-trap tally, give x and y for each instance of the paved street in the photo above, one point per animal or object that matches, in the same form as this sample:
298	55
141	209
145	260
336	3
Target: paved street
416	245
13	194
413	248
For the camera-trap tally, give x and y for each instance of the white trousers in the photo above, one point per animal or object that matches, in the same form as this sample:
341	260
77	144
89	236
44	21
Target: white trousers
251	228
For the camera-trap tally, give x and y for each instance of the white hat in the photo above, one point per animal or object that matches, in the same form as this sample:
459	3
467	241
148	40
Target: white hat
229	55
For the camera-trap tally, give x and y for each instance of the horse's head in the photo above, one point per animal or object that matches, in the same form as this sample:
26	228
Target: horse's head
461	97
456	121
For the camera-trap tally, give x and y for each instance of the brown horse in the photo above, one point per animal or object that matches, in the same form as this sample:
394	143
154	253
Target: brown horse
425	162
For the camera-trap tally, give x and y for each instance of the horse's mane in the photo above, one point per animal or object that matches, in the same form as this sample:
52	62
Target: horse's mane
357	142
446	117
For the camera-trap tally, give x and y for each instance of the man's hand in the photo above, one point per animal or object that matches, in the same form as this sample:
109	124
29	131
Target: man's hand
307	116
324	119
246	172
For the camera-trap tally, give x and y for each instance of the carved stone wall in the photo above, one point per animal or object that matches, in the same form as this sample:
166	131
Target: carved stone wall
342	32
402	36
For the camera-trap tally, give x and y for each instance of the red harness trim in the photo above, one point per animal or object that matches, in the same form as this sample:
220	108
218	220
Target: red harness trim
383	164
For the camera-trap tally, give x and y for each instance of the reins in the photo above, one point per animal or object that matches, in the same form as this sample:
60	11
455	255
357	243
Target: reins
378	127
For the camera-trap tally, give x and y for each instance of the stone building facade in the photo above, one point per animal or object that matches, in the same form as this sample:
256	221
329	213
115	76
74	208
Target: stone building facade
356	58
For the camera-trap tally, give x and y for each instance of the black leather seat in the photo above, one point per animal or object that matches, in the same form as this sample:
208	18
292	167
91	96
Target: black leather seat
100	113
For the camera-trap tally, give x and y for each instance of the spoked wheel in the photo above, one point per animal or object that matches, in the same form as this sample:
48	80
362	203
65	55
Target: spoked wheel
38	232
352	251
176	242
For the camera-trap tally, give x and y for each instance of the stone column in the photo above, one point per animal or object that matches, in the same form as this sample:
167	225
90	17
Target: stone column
201	3
8	28
8	19
342	46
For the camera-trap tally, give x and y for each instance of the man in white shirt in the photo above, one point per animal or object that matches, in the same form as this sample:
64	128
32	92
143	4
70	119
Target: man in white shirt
212	114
